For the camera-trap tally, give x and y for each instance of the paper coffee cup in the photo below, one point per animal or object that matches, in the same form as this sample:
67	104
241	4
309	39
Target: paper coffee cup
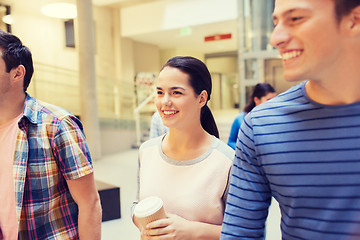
148	210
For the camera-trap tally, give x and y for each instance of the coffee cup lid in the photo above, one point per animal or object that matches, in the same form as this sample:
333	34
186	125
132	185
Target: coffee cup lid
148	206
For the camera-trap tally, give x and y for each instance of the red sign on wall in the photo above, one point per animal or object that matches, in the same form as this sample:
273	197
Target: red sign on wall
217	37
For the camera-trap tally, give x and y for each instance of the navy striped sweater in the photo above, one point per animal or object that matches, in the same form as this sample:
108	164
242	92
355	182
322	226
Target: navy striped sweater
307	156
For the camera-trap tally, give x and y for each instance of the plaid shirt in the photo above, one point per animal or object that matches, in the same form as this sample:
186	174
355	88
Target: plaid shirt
50	149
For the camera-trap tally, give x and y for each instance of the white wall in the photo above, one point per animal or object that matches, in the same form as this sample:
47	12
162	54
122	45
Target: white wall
146	57
45	38
104	40
166	54
166	15
222	64
117	58
56	66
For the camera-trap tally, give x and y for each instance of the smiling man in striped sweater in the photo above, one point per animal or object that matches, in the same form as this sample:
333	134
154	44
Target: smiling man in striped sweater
303	146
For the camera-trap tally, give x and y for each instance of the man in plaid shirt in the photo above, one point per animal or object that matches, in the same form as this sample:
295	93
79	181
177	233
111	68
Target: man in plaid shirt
46	175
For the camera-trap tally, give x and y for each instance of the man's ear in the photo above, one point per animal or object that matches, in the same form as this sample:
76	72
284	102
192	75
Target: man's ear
18	73
203	98
353	21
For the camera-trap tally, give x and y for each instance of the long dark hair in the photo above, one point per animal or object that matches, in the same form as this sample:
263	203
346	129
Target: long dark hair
260	90
199	79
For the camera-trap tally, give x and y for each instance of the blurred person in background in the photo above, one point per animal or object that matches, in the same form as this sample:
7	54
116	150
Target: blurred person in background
157	127
262	92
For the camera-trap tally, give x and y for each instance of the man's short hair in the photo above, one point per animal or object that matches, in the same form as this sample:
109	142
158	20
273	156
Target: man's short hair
14	54
344	7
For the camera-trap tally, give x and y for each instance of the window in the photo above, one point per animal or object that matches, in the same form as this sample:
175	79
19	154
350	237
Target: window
69	33
5	18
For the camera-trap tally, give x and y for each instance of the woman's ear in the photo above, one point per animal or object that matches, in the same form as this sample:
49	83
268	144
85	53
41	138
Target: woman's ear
203	97
257	101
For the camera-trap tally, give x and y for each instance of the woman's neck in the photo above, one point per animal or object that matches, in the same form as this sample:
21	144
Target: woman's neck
186	145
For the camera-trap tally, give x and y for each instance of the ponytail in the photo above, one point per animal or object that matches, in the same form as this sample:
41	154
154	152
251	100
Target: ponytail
208	122
250	105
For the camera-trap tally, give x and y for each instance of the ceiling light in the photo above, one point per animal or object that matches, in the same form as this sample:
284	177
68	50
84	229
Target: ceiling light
8	19
60	10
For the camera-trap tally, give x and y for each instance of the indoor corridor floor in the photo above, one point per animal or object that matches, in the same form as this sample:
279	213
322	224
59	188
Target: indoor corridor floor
120	170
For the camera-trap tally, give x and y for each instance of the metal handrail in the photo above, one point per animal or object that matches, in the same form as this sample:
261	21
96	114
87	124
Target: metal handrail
137	116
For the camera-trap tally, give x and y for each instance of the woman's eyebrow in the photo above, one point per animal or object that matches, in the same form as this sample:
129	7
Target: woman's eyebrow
176	88
172	88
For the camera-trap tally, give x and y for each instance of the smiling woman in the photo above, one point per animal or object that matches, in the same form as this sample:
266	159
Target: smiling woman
188	77
188	167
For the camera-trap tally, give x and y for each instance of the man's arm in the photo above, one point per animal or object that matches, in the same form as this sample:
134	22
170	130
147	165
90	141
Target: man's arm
249	193
84	192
